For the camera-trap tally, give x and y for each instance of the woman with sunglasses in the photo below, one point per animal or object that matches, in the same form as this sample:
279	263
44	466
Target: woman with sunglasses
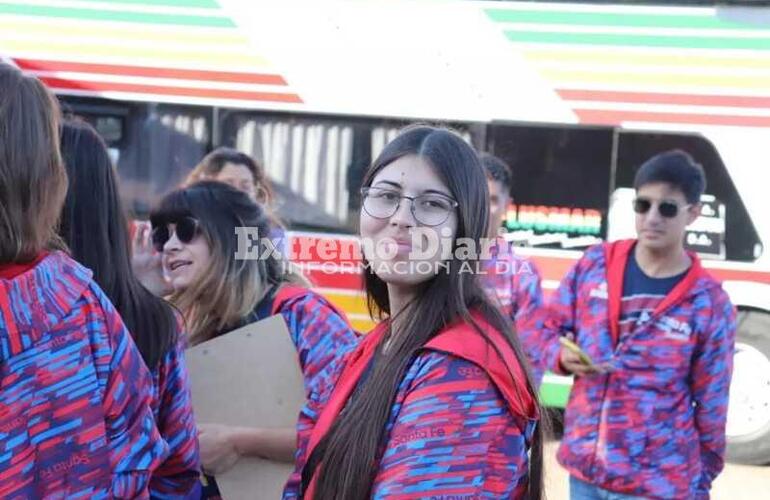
94	227
660	332
436	401
218	291
75	416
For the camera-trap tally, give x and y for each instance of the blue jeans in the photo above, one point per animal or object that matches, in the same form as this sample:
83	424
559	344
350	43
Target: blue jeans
580	490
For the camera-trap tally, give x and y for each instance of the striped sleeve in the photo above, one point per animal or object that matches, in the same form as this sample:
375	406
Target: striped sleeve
178	476
136	447
322	338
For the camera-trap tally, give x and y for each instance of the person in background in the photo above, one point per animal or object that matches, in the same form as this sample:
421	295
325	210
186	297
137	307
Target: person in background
195	230
646	417
512	281
436	401
226	165
94	227
75	415
243	172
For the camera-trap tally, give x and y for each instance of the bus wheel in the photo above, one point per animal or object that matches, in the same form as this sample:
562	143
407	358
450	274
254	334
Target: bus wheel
748	416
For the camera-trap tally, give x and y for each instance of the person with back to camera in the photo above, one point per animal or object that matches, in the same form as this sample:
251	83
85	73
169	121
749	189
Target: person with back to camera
436	401
218	291
646	416
75	415
511	280
93	225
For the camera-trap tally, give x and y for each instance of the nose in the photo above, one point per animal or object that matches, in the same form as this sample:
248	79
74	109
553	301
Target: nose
653	215
173	244
403	216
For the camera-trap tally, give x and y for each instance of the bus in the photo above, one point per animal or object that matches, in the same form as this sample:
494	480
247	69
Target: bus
575	95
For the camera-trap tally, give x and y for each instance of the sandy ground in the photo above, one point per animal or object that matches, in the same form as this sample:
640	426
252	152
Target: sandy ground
737	482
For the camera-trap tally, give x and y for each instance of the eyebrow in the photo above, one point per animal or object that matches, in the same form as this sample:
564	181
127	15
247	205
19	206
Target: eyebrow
427	191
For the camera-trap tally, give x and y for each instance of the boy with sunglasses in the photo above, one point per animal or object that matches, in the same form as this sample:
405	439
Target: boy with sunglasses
646	417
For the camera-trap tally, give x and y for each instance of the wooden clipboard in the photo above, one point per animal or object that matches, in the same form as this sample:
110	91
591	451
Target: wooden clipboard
249	377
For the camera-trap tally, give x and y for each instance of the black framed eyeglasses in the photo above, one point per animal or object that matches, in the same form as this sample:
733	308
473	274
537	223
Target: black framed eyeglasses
187	228
429	209
667	209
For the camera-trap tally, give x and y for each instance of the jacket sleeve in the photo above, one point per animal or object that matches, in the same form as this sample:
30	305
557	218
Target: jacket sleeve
710	383
321	336
136	447
453	437
558	316
529	307
178	476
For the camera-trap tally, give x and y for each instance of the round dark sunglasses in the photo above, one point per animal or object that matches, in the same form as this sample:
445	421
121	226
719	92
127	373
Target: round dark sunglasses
667	209
186	230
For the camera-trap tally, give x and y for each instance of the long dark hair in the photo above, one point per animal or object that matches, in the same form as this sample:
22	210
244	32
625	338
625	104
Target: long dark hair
347	456
231	287
94	226
33	181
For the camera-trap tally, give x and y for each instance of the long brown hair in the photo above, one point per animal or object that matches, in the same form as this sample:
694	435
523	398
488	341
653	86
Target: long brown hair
231	287
347	456
33	182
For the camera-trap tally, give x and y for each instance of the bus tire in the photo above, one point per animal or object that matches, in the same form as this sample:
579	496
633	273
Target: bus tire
748	420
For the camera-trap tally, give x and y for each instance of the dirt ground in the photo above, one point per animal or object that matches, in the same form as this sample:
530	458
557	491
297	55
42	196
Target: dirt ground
737	482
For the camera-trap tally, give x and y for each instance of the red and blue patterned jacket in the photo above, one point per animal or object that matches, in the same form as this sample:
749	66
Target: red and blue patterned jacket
75	416
655	425
513	283
177	477
460	427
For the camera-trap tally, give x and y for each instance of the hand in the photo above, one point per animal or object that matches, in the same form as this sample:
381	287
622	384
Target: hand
147	263
218	451
572	363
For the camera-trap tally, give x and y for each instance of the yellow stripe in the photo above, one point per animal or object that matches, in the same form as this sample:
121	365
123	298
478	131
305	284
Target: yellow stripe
362	326
595	57
565	77
61	50
80	30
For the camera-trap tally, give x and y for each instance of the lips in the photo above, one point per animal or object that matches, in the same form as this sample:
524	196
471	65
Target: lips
174	265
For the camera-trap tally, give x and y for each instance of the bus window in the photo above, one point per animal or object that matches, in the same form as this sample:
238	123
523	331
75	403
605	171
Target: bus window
724	209
307	159
561	183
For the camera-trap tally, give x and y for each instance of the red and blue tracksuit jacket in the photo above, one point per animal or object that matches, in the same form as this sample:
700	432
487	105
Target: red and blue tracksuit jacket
513	283
461	423
320	332
177	477
75	395
655	425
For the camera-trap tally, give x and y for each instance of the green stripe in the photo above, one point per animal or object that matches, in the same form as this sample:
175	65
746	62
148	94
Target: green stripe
615	19
679	42
196	4
554	395
109	15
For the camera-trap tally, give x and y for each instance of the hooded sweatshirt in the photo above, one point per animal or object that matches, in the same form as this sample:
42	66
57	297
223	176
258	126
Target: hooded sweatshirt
75	416
654	426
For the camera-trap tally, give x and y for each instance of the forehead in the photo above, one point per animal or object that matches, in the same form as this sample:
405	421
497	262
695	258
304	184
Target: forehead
235	170
413	173
661	191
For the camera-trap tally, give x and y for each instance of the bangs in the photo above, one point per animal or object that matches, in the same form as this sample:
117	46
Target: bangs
173	207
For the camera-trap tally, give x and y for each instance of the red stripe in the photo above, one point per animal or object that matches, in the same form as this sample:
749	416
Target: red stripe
150	72
737	275
61	84
345	281
10	322
663	98
604	117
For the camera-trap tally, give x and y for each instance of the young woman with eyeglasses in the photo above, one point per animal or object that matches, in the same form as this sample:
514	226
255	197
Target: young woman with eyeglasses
437	400
195	230
93	225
